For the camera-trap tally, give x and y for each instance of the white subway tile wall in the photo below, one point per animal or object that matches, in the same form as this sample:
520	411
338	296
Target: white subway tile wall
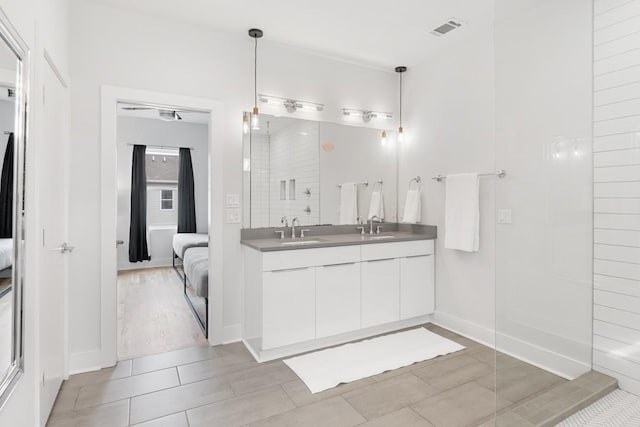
259	181
294	154
617	191
287	155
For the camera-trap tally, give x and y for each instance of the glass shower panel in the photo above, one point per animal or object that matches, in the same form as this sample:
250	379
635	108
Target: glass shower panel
544	209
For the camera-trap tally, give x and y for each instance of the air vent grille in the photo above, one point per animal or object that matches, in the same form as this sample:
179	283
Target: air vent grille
448	26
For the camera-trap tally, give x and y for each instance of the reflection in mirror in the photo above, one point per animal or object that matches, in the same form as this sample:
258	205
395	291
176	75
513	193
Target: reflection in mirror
12	108
320	173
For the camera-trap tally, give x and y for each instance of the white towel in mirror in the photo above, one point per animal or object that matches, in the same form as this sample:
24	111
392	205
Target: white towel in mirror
462	212
412	209
376	206
349	203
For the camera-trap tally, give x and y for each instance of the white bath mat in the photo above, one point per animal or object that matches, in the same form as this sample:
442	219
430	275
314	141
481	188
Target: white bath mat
325	369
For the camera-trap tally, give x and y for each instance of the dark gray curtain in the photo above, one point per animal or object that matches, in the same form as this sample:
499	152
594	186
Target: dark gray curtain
138	250
6	192
186	194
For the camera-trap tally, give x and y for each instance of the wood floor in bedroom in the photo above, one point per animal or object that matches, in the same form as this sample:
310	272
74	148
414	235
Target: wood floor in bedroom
153	315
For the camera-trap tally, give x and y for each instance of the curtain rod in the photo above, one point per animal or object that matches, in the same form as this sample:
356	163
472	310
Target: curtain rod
161	146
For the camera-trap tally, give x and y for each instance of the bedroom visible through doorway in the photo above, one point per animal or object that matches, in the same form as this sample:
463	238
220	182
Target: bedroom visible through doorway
163	202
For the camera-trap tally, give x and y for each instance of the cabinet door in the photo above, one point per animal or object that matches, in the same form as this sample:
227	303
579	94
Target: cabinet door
337	299
288	307
380	291
416	286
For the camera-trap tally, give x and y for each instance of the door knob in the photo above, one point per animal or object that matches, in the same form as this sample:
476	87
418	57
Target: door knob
119	242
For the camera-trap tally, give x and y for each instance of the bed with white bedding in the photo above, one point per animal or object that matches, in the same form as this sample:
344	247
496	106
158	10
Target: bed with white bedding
196	272
184	241
6	253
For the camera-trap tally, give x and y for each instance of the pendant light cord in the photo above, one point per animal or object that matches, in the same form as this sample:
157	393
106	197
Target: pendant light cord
255	74
400	99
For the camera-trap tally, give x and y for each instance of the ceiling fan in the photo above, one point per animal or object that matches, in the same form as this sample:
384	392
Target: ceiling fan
164	113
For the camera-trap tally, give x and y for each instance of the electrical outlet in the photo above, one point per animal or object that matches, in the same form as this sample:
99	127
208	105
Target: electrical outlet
233	216
504	216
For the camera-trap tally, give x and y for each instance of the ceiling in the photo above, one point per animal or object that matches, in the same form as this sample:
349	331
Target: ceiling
379	33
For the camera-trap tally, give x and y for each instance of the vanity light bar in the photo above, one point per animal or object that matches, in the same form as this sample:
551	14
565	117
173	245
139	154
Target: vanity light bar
366	115
291	104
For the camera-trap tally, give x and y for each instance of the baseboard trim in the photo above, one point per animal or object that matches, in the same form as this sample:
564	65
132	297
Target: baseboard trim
232	333
548	360
481	334
85	361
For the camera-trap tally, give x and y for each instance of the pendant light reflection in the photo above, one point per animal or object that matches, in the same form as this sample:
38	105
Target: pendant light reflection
245	123
255	33
400	70
383	138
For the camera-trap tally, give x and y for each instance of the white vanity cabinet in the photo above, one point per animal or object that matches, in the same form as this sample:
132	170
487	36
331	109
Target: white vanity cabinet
297	300
380	291
416	286
337	299
288	307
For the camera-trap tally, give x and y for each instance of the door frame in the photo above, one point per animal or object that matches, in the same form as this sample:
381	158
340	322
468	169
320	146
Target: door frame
110	96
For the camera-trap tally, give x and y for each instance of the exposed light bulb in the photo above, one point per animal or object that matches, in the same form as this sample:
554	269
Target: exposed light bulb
255	121
383	139
245	124
400	134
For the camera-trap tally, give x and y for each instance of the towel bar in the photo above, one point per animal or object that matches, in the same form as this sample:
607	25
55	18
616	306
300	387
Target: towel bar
501	173
366	184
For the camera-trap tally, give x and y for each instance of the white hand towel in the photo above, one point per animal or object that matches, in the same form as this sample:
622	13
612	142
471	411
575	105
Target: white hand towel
462	212
376	206
412	208
349	203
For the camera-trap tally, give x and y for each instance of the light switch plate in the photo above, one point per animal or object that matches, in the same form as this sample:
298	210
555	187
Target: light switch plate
233	200
504	216
233	216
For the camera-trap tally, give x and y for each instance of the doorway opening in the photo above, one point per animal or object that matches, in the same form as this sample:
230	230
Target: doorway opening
162	204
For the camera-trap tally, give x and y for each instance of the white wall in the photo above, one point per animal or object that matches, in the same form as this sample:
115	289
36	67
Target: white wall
543	69
151	132
43	25
449	128
358	156
616	338
112	46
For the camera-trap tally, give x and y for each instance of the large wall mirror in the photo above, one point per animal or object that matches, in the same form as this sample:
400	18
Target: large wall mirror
13	71
297	168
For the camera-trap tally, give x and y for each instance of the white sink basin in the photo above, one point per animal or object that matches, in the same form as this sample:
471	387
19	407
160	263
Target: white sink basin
381	237
300	242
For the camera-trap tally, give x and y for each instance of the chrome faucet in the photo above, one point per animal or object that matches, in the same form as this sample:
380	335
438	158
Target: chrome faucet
375	217
284	221
293	227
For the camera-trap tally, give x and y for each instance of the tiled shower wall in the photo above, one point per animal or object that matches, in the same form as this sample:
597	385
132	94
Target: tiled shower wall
259	180
617	191
294	155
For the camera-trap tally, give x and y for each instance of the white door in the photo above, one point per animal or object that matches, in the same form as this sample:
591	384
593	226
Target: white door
289	310
417	295
52	167
337	299
380	292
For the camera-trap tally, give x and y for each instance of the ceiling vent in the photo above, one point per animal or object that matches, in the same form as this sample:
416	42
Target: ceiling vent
448	26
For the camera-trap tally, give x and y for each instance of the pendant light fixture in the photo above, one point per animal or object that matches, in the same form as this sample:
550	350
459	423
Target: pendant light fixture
383	138
255	33
400	70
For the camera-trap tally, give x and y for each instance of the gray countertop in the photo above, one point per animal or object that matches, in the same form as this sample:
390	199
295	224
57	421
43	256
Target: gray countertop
341	238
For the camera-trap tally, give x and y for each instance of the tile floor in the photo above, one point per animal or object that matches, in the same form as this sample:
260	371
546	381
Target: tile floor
224	386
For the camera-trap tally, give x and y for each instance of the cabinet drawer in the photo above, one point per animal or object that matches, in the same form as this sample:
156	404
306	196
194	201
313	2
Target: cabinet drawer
298	258
397	249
